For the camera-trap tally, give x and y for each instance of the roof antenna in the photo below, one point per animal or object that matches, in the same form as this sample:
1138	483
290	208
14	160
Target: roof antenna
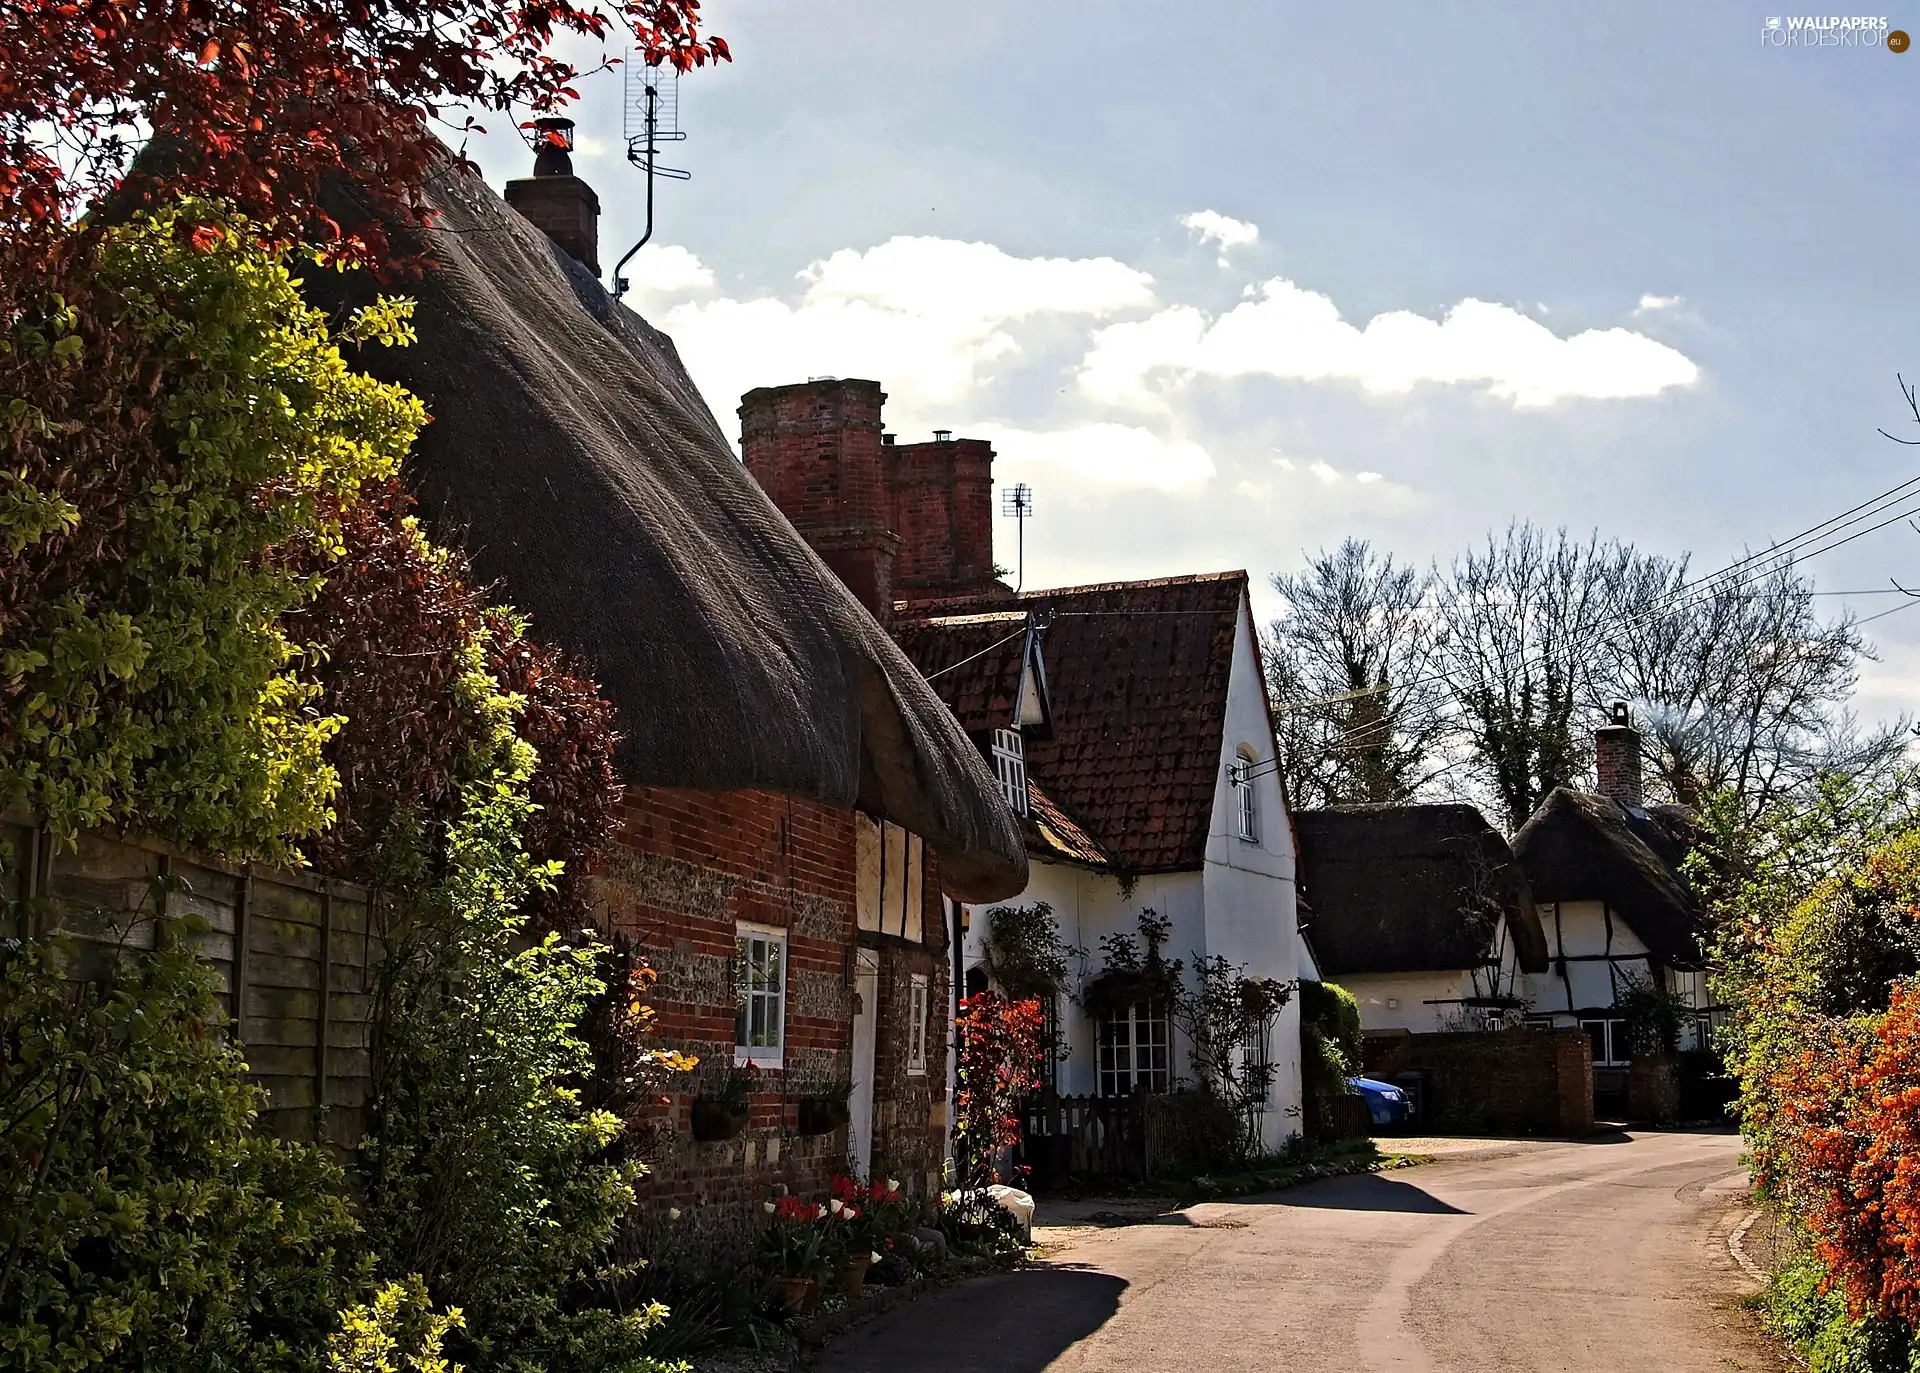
652	117
1017	501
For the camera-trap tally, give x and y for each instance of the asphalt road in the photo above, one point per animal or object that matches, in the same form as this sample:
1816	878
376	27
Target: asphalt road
1607	1256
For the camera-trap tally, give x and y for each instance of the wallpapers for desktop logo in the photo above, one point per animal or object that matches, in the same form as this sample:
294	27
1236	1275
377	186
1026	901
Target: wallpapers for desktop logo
1832	31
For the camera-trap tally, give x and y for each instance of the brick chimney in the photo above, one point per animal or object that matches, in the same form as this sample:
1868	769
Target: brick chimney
815	449
941	497
1616	750
557	202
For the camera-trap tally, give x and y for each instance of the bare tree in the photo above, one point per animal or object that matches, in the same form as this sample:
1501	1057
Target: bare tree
1740	687
1357	641
1517	656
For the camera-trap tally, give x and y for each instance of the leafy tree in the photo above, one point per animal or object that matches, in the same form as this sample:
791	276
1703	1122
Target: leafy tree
261	103
1330	1037
999	1057
181	434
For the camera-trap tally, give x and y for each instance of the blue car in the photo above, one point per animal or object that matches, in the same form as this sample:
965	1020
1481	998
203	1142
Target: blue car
1386	1103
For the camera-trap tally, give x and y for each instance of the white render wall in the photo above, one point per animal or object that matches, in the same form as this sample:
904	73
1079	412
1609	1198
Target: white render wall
1239	905
1584	933
1251	915
1394	1002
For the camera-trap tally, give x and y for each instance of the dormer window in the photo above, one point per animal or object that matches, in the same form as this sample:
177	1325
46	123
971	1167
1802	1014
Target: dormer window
1010	766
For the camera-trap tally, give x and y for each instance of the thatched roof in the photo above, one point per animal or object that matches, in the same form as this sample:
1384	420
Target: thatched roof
1580	847
573	459
1411	889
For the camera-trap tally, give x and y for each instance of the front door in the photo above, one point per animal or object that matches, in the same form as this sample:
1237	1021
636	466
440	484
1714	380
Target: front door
866	1012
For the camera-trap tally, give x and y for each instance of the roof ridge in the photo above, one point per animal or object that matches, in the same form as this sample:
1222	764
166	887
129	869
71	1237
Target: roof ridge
1139	583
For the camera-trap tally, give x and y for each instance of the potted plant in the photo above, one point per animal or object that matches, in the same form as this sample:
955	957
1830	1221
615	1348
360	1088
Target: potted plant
824	1111
861	1216
722	1113
799	1249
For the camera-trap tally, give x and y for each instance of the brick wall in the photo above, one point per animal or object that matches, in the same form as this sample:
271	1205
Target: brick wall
687	865
1517	1081
565	209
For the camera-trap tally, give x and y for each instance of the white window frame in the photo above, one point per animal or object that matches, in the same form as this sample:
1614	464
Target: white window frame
918	1001
1144	1061
763	1055
1614	1031
1246	804
1009	751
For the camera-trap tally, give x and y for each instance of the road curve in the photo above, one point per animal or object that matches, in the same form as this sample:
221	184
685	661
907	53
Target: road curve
1606	1256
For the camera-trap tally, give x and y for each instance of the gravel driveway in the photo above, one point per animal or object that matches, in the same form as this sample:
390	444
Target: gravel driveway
1606	1256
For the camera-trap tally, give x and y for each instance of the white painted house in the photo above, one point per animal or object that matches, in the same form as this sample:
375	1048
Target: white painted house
1421	913
1130	724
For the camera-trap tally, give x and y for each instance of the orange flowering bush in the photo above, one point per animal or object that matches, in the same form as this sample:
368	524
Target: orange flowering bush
1847	1153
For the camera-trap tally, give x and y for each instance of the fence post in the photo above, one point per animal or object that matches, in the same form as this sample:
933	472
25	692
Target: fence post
326	985
242	899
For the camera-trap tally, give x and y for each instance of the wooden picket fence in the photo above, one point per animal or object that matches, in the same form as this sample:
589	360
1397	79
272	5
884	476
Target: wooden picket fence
292	955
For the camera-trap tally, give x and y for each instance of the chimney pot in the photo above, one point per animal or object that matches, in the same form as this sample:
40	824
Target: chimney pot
554	200
553	142
942	435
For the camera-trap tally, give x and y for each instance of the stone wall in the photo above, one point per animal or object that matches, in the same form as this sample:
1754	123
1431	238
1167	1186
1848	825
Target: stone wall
1523	1081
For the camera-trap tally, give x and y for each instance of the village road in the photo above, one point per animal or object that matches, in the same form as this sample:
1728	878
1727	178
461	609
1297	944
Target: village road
1607	1256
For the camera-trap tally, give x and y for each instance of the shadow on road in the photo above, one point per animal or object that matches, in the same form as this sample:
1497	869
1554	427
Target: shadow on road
1018	1322
1361	1192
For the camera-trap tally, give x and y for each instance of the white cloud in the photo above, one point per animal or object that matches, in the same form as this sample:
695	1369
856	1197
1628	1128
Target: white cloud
1325	471
1210	226
1367	478
668	269
1649	304
1119	455
923	316
1289	332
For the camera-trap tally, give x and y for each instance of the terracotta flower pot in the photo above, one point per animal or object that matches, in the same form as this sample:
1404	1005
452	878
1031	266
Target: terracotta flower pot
797	1295
853	1274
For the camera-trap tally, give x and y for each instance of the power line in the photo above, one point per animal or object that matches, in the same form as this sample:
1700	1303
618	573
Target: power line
1743	572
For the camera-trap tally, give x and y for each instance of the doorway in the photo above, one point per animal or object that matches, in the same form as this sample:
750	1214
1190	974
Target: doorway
866	1012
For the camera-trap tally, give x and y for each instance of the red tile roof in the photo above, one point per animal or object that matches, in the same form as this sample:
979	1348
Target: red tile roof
1137	673
972	662
1052	833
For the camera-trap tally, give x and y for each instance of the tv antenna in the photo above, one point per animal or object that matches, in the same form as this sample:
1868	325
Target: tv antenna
1017	502
651	117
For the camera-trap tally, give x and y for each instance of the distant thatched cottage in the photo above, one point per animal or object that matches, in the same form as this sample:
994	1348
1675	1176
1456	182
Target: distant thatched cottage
1422	913
1618	912
801	809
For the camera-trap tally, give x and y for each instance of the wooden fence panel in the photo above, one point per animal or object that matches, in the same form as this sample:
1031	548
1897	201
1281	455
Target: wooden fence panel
291	953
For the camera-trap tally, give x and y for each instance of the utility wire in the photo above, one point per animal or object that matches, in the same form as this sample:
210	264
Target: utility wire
981	654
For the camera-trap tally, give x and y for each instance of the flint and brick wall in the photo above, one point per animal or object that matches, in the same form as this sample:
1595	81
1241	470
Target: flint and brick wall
688	865
1523	1081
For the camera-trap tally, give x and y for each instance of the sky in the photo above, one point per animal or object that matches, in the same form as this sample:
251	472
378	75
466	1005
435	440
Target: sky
1226	283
